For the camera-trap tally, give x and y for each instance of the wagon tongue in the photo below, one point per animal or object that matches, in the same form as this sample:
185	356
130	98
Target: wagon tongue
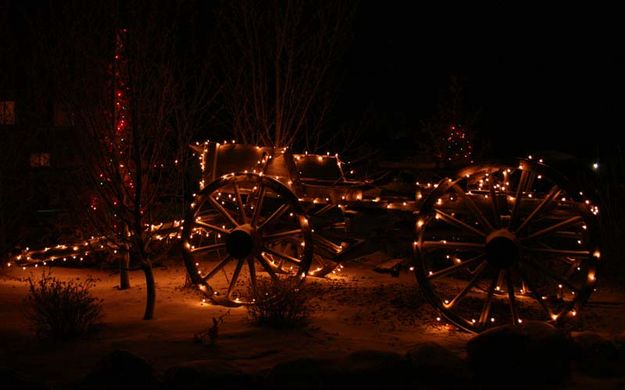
502	249
241	242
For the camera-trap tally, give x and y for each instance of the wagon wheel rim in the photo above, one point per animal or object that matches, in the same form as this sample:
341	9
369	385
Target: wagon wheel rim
506	243
229	233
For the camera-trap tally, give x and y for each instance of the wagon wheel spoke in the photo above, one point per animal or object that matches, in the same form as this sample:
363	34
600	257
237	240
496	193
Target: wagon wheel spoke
283	234
218	267
533	291
452	245
563	252
553	228
494	205
263	262
514	310
222	210
519	194
205	248
458	223
259	203
212	227
237	195
235	276
283	256
252	269
466	288
555	191
276	214
489	300
455	267
473	207
551	274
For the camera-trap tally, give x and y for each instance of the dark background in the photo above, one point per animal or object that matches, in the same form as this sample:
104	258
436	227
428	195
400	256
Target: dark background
537	78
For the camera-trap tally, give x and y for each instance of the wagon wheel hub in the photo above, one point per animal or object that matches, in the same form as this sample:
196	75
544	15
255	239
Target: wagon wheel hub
242	241
502	249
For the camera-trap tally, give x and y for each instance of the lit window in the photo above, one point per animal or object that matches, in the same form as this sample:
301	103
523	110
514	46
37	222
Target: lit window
7	112
40	160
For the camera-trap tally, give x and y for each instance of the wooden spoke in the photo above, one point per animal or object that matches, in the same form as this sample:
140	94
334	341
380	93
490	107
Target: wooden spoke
219	245
553	228
222	210
533	291
324	242
473	207
563	252
235	276
494	205
286	233
452	245
212	227
519	195
259	204
489	300
455	267
217	268
283	256
555	191
276	214
458	223
267	266
514	310
237	195
325	209
252	269
466	288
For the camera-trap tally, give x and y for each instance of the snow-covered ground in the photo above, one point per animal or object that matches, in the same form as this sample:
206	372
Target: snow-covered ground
357	310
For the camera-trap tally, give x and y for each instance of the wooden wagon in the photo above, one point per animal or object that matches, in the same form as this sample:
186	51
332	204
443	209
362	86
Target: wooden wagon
496	243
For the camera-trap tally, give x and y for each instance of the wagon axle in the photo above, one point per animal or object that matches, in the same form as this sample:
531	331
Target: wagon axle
502	249
243	241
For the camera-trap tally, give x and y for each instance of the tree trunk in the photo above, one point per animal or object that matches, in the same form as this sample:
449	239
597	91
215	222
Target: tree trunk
124	265
124	277
150	290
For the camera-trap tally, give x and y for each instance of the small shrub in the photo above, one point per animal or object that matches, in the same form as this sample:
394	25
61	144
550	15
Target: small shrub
61	310
209	337
281	303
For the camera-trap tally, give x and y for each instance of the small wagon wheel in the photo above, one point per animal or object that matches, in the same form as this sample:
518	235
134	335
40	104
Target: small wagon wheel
502	244
231	234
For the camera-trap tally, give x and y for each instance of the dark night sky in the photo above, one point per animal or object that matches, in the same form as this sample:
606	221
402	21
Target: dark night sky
538	77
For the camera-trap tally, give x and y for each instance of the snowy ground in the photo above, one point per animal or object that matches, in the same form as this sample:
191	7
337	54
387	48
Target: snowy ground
359	309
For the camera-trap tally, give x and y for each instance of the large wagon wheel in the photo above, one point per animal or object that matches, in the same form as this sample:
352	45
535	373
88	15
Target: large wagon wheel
502	244
233	231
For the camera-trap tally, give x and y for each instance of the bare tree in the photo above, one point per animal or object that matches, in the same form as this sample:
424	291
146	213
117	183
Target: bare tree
136	104
278	61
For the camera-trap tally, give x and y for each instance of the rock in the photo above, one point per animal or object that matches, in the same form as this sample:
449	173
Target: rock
9	379
375	368
437	367
391	266
203	374
597	356
120	370
534	353
304	373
